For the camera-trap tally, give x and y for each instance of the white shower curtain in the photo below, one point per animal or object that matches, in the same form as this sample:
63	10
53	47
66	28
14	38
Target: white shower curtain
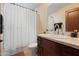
19	27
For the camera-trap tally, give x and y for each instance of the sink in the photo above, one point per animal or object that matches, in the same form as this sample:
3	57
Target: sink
58	36
61	37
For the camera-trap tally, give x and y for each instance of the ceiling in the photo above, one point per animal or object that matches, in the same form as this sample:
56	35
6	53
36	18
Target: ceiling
51	9
30	5
55	6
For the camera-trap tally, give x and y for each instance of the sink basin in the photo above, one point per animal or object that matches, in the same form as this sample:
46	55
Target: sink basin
61	37
58	36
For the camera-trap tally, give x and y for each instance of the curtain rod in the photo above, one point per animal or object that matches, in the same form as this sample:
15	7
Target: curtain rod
23	7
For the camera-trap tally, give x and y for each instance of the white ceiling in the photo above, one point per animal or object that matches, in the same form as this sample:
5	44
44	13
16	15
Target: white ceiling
51	9
30	5
55	6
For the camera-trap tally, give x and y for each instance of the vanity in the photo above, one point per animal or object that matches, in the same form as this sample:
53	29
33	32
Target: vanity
61	45
57	45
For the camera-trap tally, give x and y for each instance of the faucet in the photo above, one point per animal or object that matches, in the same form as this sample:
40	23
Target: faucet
62	29
56	27
59	26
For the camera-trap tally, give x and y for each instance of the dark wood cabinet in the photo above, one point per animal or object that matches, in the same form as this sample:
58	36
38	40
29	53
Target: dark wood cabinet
50	48
40	47
69	51
47	47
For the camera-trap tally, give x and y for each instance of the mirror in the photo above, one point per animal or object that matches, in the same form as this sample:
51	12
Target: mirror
55	18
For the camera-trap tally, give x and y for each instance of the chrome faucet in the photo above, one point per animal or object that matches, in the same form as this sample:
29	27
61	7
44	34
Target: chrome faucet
56	26
59	26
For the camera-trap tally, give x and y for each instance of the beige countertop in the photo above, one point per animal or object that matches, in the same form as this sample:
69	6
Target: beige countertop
62	39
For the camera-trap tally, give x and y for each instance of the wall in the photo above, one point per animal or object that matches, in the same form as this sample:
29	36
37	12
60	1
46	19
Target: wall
42	17
59	15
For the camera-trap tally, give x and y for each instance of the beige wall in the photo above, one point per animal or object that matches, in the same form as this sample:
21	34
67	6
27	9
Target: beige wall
42	17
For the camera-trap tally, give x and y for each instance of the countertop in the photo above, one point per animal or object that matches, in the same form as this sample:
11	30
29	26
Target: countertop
62	39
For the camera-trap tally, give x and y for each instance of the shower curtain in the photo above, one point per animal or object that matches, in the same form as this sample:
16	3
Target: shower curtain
19	27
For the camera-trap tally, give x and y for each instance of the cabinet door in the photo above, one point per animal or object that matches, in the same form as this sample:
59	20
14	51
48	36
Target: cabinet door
40	51
50	48
49	51
69	51
40	46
